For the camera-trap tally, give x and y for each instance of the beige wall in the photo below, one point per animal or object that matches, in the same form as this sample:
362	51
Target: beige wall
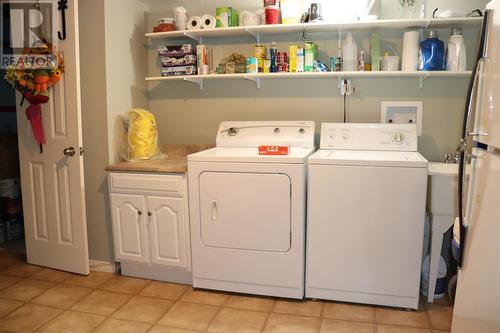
95	132
126	64
188	115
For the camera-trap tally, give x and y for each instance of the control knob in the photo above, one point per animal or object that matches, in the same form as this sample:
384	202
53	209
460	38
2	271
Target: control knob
398	137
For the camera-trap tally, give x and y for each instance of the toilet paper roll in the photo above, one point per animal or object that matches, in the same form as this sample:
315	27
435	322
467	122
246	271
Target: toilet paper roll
411	46
208	21
194	23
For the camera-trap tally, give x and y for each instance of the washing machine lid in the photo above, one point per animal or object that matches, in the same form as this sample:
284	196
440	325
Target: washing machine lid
296	155
368	158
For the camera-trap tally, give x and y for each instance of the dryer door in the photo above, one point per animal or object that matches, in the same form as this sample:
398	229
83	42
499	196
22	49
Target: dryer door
247	211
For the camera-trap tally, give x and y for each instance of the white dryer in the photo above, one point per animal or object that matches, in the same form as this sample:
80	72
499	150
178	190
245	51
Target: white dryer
366	211
248	211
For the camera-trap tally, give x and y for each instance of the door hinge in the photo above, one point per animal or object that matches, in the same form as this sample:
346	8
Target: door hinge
81	151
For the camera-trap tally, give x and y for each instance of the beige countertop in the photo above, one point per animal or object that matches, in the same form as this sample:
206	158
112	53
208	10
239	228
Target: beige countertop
175	161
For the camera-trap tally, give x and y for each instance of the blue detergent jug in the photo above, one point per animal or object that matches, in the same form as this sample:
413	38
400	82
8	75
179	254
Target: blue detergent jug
432	53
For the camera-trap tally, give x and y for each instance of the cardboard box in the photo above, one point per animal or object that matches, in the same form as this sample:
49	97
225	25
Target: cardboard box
178	61
178	71
9	156
176	50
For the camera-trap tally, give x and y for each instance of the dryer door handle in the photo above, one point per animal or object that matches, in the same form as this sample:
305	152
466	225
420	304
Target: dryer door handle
214	210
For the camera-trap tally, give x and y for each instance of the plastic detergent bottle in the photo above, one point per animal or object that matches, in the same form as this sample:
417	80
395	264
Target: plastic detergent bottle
349	54
432	56
456	56
273	50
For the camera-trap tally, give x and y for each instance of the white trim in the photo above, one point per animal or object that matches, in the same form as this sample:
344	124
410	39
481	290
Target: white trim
103	266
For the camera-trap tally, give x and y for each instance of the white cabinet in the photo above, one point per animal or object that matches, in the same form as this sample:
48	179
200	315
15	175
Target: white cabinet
167	230
129	227
150	225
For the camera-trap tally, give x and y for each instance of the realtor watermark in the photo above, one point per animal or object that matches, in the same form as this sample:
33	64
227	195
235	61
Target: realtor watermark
29	37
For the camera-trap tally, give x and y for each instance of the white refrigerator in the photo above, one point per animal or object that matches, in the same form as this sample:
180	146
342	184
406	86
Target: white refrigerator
477	302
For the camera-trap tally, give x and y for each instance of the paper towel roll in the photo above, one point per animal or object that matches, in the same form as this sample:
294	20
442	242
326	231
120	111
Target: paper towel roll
194	23
411	46
208	21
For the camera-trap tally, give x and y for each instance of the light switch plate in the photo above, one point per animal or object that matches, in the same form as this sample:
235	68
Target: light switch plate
402	112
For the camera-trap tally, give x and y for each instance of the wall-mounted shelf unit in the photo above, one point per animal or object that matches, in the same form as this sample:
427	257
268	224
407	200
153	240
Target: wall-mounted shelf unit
279	29
257	77
306	28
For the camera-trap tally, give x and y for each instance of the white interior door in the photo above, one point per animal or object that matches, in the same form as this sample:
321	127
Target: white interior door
52	183
248	211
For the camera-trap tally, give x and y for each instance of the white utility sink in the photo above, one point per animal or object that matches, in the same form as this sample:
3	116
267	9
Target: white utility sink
442	194
442	205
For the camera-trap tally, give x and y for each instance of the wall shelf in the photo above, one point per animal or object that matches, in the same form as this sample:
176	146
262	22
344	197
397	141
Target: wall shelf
259	31
263	30
312	75
421	75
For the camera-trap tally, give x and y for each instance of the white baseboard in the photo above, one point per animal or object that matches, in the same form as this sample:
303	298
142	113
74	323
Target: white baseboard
102	266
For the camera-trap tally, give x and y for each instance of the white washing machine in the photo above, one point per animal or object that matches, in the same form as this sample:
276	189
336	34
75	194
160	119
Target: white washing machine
366	211
248	211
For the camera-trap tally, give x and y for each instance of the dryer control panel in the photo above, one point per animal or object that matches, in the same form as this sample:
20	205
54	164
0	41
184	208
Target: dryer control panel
376	137
257	133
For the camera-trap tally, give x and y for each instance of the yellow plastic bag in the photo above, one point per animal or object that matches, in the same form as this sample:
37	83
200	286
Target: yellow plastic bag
142	136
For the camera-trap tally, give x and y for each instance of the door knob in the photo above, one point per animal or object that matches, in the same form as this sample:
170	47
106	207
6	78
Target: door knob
69	151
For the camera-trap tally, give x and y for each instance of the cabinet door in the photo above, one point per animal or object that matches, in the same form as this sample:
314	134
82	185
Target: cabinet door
167	231
129	227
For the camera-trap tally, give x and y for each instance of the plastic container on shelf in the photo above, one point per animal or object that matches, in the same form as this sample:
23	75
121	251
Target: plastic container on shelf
432	53
290	11
441	285
273	51
349	54
165	24
456	54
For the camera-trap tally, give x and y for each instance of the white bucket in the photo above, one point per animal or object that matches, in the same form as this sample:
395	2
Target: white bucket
440	289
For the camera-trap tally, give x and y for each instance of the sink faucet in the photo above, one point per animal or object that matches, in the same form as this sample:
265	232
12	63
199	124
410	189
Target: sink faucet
449	158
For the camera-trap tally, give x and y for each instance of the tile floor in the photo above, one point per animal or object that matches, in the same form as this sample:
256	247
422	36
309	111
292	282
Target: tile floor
36	299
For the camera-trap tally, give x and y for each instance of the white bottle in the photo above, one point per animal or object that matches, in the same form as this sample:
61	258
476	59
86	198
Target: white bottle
349	54
456	54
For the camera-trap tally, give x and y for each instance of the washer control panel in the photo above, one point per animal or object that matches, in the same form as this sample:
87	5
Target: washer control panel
377	137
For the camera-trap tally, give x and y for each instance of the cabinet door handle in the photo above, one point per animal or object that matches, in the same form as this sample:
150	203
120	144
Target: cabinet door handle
214	211
139	212
150	214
